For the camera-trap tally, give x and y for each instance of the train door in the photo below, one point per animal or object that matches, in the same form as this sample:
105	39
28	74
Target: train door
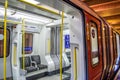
115	56
8	56
107	55
118	49
111	56
108	59
115	47
94	47
105	47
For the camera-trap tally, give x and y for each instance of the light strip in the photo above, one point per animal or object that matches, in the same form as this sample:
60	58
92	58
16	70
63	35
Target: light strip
26	16
33	17
50	8
32	21
40	7
33	1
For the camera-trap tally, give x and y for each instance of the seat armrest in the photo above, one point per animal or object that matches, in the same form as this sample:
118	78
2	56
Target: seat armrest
23	72
34	63
45	66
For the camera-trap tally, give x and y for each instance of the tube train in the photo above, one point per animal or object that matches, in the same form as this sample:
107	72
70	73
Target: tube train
47	37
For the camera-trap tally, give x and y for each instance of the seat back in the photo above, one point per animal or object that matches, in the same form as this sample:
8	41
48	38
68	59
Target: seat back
27	61
36	58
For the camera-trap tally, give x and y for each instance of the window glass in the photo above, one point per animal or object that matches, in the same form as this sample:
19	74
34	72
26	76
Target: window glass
2	43
94	43
28	43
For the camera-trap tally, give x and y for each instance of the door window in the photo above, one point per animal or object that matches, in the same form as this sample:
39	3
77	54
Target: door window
94	43
28	43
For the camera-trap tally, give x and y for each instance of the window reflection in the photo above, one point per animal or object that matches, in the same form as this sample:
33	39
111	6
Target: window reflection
28	43
94	43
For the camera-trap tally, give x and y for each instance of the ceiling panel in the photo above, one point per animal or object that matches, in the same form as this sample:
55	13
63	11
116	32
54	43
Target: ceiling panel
109	12
108	9
95	2
106	6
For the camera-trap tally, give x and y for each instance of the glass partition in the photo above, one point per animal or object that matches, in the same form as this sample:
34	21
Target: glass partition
94	43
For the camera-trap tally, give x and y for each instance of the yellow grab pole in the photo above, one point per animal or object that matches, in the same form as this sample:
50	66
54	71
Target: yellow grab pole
10	21
40	7
5	31
75	64
23	44
13	22
15	51
61	44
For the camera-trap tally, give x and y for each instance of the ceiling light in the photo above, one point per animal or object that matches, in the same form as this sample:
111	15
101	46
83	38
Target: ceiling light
27	16
33	17
50	8
33	21
33	1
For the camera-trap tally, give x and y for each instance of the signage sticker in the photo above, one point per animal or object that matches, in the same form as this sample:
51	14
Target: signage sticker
67	41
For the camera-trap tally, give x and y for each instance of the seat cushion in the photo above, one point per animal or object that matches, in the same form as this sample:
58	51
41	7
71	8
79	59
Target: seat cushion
42	66
27	61
31	69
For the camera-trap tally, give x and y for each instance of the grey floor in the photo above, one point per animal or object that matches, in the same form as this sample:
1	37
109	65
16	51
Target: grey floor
56	76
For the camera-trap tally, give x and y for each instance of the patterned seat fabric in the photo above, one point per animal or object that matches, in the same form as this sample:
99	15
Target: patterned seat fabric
28	64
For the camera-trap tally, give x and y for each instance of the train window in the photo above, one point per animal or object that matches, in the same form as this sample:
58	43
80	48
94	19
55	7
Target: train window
94	43
28	43
2	43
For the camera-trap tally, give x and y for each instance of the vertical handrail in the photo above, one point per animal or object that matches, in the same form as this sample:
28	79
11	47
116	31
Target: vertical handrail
75	64
5	31
61	43
23	44
15	53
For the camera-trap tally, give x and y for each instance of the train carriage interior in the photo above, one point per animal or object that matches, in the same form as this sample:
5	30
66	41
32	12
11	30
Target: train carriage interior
56	40
36	39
